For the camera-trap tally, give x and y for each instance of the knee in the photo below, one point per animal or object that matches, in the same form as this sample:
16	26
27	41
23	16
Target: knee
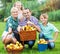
3	40
14	40
51	45
31	42
41	35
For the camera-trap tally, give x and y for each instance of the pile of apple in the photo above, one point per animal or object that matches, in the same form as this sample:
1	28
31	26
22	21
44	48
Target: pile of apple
28	28
42	41
17	46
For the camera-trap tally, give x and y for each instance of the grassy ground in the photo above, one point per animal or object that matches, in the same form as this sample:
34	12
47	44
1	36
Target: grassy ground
34	50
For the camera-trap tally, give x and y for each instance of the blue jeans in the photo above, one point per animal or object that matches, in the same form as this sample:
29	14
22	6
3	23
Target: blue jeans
51	45
30	43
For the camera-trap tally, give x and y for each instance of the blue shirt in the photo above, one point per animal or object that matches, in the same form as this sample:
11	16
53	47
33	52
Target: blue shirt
48	30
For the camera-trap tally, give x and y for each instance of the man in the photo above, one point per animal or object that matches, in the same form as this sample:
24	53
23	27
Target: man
31	20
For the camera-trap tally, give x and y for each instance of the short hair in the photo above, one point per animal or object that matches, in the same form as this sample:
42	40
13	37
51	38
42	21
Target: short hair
13	8
28	9
45	15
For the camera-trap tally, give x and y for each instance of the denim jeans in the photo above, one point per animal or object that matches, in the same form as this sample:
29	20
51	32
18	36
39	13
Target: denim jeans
51	45
30	43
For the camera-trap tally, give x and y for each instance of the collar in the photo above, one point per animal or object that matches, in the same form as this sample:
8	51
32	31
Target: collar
29	19
14	19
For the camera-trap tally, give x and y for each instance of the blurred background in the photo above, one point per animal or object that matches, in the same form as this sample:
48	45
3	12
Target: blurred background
52	7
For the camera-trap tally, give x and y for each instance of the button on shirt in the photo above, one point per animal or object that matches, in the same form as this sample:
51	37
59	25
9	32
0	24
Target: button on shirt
11	22
48	30
32	19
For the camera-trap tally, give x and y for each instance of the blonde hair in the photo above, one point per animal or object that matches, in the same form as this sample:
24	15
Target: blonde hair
13	8
45	15
19	3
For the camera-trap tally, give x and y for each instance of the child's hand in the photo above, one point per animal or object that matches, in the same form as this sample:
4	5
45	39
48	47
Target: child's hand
51	41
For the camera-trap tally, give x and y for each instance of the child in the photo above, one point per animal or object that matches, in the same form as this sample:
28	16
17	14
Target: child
11	26
46	31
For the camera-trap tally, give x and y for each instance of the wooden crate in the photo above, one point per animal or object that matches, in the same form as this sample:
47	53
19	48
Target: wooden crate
27	35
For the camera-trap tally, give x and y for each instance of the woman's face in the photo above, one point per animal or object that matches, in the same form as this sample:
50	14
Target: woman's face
14	13
43	20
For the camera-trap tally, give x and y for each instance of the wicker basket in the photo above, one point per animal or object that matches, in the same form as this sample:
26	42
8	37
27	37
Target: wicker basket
27	35
11	51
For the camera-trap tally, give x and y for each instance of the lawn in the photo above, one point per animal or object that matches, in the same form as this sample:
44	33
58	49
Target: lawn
34	50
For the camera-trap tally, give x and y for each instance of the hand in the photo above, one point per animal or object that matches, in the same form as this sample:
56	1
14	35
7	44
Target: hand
51	41
30	23
18	28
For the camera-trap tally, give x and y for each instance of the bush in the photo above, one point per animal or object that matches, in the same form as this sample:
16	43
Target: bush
54	15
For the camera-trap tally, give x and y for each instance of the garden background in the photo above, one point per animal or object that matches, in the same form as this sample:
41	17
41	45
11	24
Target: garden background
52	7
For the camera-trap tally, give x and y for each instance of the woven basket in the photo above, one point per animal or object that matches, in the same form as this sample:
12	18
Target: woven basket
11	51
27	35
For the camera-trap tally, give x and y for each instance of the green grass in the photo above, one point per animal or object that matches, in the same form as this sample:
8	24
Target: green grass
34	50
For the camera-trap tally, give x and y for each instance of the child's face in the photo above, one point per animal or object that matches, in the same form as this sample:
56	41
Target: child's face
26	13
18	5
43	20
14	13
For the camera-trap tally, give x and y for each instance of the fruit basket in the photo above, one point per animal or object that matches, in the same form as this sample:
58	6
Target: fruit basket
42	45
14	48
27	33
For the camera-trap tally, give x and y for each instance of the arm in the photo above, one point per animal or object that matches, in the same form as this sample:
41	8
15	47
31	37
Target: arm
55	37
37	27
9	30
55	30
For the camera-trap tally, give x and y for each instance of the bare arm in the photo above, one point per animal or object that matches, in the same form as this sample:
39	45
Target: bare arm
9	30
37	27
55	37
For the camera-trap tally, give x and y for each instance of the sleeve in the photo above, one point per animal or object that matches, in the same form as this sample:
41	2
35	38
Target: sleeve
36	21
10	23
54	28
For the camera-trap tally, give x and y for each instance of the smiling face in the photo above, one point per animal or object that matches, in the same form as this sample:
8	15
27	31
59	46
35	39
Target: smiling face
18	5
27	13
44	18
14	12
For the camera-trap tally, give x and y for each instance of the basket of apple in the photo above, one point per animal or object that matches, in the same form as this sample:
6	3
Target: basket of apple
27	33
42	45
14	48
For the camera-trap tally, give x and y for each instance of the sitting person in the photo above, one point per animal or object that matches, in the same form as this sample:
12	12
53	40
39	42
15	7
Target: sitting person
47	30
31	20
11	27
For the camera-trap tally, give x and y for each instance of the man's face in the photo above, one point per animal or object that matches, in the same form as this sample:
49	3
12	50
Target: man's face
26	13
14	13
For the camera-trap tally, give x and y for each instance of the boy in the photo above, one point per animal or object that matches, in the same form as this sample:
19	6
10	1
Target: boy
11	27
46	31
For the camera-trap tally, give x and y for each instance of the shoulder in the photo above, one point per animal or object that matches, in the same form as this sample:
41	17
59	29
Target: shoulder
9	19
50	24
34	18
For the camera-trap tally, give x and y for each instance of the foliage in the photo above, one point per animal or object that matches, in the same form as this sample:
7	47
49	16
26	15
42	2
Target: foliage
36	8
54	15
